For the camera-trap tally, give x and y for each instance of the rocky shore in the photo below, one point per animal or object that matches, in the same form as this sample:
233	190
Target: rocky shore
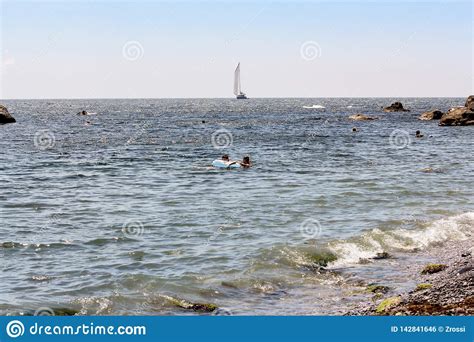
445	287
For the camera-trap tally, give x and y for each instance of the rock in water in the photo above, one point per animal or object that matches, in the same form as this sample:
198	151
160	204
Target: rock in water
461	116
5	116
431	115
470	102
361	117
395	107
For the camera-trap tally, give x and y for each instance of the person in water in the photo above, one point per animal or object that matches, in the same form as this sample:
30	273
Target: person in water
245	163
225	158
418	134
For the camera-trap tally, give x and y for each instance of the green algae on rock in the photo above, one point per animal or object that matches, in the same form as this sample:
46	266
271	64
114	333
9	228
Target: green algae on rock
374	288
424	286
433	268
387	304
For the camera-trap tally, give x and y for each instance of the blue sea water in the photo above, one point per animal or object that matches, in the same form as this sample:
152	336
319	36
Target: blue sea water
121	212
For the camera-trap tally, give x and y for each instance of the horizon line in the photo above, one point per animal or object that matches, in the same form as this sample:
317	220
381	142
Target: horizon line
231	98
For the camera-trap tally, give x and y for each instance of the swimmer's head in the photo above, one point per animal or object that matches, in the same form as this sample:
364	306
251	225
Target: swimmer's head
225	157
418	132
354	129
246	160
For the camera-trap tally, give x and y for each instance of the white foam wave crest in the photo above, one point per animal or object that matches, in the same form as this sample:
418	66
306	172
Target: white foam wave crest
314	107
366	246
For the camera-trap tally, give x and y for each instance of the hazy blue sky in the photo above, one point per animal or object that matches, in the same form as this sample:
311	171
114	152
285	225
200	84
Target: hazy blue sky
190	49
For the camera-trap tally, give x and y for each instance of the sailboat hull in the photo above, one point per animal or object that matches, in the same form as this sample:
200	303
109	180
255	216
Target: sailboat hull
241	97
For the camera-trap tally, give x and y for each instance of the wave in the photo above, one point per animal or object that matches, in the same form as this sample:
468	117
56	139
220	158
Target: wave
314	107
370	244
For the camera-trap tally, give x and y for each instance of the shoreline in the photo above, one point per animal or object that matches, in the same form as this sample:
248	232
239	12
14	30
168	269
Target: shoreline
445	286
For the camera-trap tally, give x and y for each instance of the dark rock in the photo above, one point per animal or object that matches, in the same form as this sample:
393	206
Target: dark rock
470	103
197	307
395	107
382	255
361	117
431	115
5	116
321	258
460	116
465	269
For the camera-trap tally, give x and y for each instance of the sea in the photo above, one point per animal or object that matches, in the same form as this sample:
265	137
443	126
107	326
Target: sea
120	212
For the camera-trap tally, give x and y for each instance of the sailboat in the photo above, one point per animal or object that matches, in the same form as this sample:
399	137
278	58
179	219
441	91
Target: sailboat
237	91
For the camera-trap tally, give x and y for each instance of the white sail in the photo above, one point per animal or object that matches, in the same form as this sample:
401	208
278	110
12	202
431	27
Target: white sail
237	80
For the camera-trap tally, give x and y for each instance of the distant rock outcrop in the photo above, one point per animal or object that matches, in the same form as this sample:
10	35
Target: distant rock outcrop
5	116
361	117
470	102
460	116
395	107
431	115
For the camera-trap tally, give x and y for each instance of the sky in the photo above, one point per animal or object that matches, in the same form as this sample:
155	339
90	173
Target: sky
155	49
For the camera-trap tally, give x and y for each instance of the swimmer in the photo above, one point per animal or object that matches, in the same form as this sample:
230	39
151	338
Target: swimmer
245	163
418	134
